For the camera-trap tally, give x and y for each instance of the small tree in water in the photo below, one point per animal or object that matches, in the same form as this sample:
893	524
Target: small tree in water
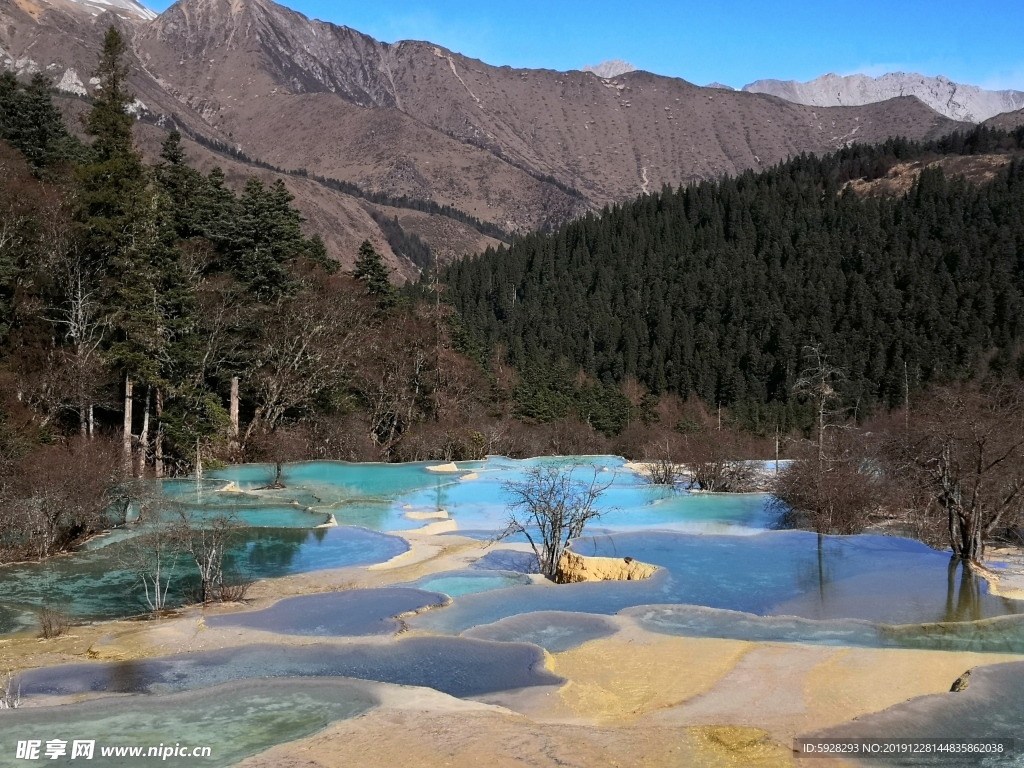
207	541
154	557
551	507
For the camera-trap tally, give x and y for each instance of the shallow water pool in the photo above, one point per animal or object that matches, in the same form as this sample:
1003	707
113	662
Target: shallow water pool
553	631
456	666
992	707
789	573
470	582
354	612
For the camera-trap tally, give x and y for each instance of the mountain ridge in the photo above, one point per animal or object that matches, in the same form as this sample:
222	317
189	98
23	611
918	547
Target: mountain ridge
522	149
956	101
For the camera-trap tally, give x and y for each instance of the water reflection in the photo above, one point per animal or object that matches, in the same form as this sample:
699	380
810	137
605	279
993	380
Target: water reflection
964	600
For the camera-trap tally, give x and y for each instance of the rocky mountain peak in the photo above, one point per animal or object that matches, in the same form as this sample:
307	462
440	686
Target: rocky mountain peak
610	69
270	48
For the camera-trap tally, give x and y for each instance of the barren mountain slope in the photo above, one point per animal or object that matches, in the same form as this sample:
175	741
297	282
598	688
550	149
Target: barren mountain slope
255	69
62	39
522	148
1007	121
341	220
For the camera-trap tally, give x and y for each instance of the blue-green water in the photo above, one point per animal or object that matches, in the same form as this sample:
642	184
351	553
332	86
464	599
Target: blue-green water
882	580
470	582
379	496
723	573
456	666
97	584
1003	634
351	613
235	720
758	574
553	631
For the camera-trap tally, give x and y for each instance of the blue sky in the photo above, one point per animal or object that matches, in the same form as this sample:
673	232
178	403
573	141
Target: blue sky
732	41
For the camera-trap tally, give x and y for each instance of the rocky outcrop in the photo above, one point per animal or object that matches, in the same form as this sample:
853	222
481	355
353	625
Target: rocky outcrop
573	569
71	83
124	8
962	682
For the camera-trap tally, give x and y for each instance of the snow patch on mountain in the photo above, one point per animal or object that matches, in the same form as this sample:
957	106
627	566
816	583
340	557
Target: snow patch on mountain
135	9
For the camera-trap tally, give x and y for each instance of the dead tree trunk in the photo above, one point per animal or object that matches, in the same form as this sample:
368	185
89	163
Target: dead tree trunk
127	437
144	436
158	448
234	408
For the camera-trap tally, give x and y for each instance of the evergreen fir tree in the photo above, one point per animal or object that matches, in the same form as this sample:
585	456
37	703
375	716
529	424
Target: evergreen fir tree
31	122
109	121
316	252
371	271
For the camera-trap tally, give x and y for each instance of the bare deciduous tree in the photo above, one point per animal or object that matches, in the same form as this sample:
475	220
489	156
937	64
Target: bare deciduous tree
818	384
153	556
718	462
660	466
57	495
965	448
206	541
10	697
76	314
53	623
305	353
833	496
833	489
713	461
551	507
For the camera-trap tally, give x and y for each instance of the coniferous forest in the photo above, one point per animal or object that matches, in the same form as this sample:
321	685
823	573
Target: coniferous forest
715	289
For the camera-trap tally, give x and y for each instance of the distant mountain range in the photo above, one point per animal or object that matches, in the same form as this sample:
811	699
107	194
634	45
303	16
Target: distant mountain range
956	101
411	127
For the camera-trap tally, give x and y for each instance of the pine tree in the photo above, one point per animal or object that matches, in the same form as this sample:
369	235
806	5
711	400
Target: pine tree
316	252
31	122
184	188
371	271
109	120
267	238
